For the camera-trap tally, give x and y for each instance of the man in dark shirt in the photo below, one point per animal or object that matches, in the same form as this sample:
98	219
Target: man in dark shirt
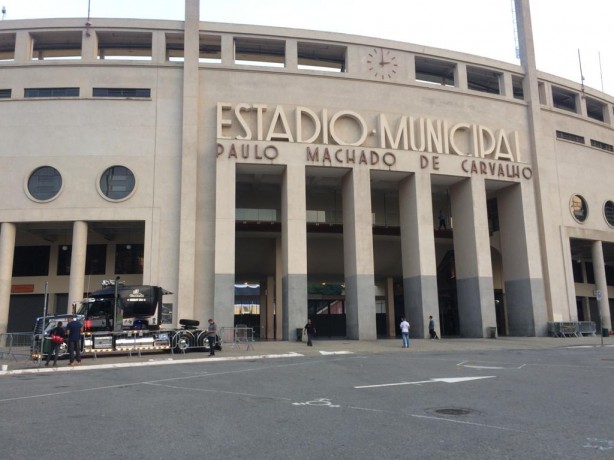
74	330
310	330
54	348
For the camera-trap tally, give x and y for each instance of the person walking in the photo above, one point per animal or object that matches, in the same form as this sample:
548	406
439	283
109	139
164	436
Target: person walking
74	330
404	332
54	346
211	336
432	328
442	220
310	330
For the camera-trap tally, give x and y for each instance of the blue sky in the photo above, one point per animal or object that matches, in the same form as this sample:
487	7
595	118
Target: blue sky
481	27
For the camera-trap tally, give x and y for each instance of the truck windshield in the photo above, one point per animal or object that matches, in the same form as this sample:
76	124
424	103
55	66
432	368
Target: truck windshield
97	308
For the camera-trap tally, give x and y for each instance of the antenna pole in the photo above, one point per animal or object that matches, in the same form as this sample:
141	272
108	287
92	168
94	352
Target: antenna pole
601	72
581	74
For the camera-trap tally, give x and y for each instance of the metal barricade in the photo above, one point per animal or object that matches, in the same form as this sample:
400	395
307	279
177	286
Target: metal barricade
564	329
237	336
587	328
16	345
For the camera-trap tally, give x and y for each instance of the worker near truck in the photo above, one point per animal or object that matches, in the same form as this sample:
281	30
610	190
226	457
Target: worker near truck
211	336
74	330
58	331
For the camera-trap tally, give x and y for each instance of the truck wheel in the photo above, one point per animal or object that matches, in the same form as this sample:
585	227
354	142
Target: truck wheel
183	341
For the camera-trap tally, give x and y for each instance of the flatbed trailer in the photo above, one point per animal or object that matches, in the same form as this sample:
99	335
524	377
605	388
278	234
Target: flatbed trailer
124	319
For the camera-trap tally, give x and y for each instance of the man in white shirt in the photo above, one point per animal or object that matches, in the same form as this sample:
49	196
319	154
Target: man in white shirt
405	332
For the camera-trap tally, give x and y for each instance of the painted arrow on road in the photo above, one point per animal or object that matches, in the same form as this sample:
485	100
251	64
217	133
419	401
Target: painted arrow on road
445	380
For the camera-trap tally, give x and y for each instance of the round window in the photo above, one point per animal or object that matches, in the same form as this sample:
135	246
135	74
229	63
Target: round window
608	213
579	208
117	183
44	183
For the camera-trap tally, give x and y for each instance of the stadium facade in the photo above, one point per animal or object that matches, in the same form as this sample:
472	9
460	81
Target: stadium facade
266	175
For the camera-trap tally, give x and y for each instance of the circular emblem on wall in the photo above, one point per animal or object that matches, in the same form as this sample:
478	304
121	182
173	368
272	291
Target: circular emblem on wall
382	63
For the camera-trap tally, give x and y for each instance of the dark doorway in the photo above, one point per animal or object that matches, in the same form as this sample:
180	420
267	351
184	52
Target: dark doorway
448	303
500	313
23	311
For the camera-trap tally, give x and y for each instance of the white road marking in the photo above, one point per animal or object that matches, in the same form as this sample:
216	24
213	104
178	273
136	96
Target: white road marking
322	352
463	422
364	408
322	402
444	380
170	361
599	444
476	366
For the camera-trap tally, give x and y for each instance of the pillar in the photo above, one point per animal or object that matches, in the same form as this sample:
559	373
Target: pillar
291	57
524	288
270	308
358	255
76	284
418	253
278	290
293	251
224	276
473	265
89	45
390	318
189	167
601	285
7	252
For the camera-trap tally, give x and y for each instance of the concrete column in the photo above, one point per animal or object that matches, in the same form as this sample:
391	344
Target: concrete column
228	50
189	168
7	252
390	318
507	87
473	265
601	285
291	55
524	287
23	47
270	308
581	106
608	114
264	304
158	47
460	76
89	45
76	284
293	251
279	276
225	220
570	313
358	255
418	253
410	69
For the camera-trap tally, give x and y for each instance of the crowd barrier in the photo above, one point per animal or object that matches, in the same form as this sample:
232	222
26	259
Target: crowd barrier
572	328
237	336
16	345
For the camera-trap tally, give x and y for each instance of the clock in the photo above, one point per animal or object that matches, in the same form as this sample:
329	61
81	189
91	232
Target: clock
382	64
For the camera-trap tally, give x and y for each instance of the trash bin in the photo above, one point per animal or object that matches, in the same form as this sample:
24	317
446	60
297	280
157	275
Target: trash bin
604	332
46	345
299	335
492	332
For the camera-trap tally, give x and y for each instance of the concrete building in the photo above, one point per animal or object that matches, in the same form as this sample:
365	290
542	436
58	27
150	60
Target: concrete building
264	175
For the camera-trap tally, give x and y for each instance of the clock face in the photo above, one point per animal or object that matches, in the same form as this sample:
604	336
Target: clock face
382	64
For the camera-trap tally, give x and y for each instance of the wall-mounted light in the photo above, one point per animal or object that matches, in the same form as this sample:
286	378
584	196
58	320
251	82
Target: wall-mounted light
128	247
64	247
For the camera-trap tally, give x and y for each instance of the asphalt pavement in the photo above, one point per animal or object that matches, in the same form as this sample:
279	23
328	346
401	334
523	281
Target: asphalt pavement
18	362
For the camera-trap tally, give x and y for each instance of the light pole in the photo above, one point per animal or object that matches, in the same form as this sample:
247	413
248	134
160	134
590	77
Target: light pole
118	318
